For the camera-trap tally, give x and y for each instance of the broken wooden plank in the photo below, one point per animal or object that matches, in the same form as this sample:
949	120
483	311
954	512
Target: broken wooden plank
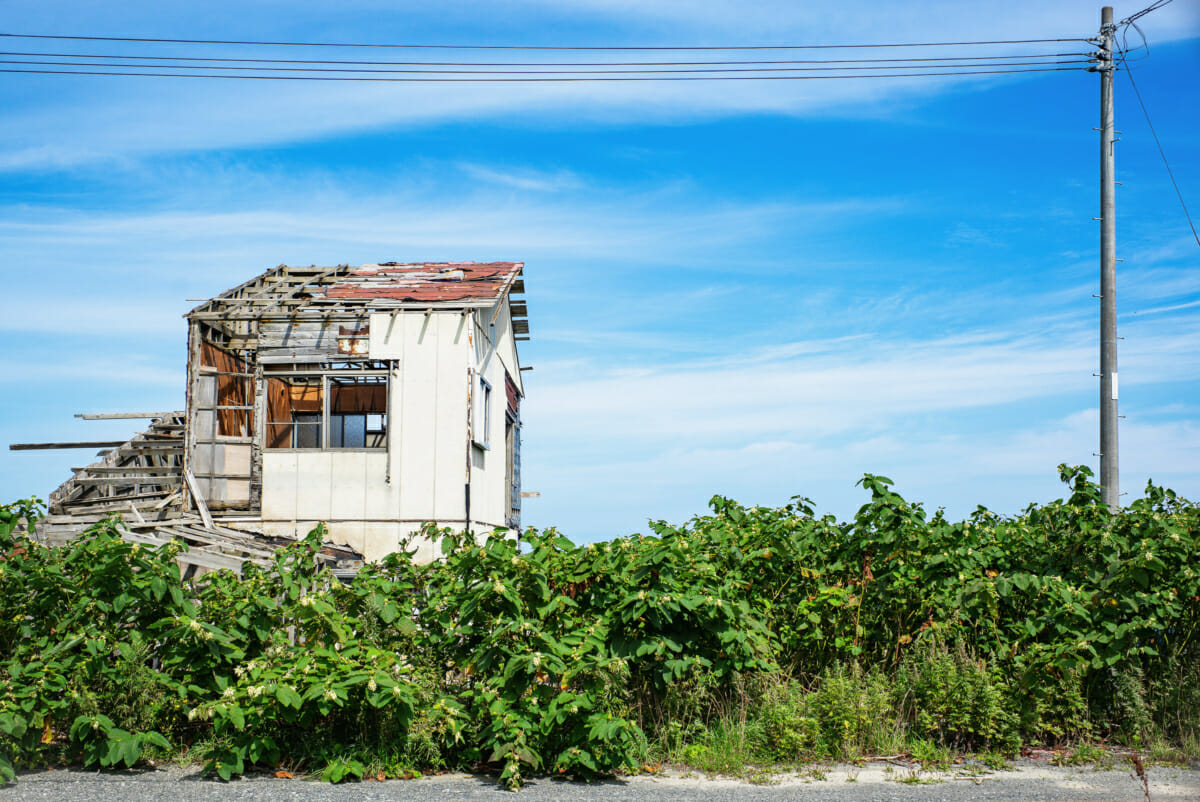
139	470
136	513
80	444
127	415
197	497
125	481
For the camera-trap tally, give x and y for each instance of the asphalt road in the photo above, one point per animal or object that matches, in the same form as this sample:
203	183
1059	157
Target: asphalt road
1028	781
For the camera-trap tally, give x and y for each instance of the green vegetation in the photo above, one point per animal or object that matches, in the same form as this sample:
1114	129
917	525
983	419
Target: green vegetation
748	638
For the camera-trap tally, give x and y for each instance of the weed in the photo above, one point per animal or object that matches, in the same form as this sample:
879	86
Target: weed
917	777
994	760
930	755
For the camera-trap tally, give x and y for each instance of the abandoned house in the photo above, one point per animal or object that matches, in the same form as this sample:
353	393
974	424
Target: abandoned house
373	399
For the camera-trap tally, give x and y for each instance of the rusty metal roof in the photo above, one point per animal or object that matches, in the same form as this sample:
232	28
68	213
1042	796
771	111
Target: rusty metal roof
427	281
296	291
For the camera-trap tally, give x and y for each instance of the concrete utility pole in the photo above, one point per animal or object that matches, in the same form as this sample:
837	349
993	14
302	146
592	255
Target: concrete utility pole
1109	473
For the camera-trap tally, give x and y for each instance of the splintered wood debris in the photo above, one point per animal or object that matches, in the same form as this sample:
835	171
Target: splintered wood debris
142	480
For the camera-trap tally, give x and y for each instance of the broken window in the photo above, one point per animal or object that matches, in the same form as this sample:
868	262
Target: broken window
332	410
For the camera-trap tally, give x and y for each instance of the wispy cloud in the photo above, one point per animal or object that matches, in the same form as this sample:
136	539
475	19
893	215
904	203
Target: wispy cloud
528	180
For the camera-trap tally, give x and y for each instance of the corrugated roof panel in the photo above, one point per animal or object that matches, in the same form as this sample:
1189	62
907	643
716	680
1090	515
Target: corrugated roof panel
426	281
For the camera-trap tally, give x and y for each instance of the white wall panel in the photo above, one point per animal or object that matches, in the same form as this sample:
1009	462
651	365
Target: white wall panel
417	414
314	480
279	486
450	423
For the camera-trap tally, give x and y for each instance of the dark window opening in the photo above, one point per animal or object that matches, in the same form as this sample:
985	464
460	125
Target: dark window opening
327	411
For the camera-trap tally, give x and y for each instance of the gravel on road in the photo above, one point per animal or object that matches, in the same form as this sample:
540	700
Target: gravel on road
1027	780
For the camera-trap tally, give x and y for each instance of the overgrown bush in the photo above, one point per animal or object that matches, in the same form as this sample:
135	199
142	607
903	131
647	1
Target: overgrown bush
748	634
957	699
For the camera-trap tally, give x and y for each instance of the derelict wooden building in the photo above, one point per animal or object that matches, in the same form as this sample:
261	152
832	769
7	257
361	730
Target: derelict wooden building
372	399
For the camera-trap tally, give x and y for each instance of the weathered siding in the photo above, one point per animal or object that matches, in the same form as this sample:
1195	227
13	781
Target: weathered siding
305	341
427	447
490	499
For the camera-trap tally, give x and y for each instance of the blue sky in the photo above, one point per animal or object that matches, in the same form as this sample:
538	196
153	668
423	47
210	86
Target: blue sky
752	289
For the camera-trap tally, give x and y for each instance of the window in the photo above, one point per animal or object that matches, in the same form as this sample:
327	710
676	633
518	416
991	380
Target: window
331	410
481	426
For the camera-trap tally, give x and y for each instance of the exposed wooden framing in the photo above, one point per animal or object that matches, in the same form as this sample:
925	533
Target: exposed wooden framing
259	436
128	481
153	446
503	294
193	379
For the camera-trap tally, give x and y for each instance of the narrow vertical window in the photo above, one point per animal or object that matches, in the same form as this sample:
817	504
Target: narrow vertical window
482	428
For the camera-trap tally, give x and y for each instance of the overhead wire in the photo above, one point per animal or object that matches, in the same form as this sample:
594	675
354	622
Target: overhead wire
609	48
529	71
540	79
993	57
258	68
1152	7
1162	153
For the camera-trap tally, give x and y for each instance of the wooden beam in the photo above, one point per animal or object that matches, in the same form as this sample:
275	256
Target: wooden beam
126	481
127	415
137	470
136	512
194	487
82	444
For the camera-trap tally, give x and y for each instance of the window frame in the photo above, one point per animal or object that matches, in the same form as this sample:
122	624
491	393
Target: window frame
482	424
325	423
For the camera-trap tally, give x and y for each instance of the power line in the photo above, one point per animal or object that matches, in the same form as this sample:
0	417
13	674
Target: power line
1126	24
1152	7
491	72
595	78
527	47
1129	74
994	57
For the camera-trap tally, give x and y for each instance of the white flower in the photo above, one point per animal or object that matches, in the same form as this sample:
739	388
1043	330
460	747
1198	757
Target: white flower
497	586
371	686
229	693
396	691
194	625
330	694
